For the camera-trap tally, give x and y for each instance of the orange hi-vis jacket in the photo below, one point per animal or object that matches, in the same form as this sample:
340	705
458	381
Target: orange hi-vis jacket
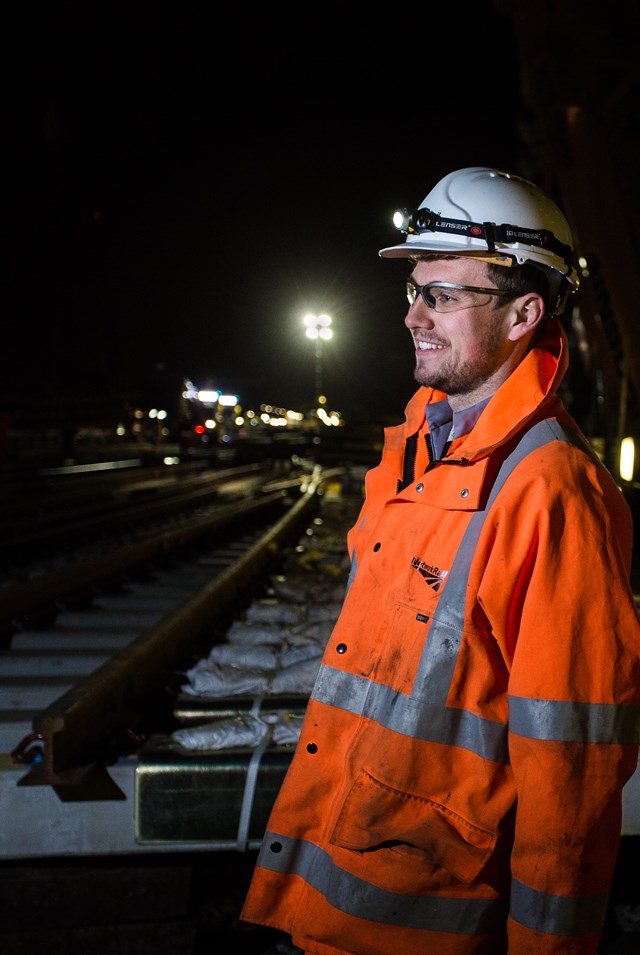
457	785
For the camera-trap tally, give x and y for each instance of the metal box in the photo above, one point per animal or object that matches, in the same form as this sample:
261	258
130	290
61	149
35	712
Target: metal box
185	797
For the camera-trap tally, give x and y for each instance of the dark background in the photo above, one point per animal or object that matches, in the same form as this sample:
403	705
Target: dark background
182	189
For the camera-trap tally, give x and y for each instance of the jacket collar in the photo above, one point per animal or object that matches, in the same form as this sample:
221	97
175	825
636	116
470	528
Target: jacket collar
529	392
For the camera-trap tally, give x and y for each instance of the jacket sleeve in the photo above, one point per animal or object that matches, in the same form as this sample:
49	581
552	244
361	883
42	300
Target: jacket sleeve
556	593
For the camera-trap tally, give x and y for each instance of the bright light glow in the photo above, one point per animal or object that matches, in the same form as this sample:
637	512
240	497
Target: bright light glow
264	417
318	326
228	401
208	397
627	457
210	424
153	413
190	392
162	415
582	262
239	420
121	430
171	460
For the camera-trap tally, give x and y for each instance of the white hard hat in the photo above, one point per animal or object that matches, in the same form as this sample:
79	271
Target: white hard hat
483	211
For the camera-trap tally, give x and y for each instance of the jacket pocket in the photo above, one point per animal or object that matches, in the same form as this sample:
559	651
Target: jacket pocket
377	816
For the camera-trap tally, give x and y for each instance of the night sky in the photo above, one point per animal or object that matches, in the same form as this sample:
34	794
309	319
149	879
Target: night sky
181	192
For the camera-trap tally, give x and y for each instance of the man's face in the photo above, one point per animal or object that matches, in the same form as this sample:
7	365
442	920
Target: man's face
464	353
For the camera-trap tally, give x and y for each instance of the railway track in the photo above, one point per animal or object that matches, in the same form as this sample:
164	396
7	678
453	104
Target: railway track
95	650
101	806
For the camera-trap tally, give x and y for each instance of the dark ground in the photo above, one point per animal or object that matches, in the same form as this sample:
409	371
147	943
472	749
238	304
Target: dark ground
188	904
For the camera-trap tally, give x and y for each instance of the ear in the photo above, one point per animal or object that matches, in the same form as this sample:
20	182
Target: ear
527	313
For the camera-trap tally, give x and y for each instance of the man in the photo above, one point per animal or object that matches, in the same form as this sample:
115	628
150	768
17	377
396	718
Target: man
457	785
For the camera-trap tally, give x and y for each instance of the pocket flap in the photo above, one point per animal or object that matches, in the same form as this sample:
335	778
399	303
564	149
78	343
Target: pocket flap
375	815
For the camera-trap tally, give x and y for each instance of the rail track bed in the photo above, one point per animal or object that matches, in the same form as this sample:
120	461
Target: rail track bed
88	864
96	651
119	838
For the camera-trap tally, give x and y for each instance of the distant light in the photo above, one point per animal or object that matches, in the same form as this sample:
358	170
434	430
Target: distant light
208	396
190	392
199	429
210	423
228	401
162	415
121	430
153	413
171	460
318	326
627	457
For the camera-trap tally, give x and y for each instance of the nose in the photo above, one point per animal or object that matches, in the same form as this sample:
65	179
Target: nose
419	315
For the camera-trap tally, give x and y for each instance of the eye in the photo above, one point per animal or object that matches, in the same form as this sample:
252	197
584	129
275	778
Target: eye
442	297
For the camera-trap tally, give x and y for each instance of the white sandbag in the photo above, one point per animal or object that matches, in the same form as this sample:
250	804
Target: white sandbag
241	730
246	657
242	632
298	678
213	680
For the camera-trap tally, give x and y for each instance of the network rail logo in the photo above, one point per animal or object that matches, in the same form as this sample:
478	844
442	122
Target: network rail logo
432	575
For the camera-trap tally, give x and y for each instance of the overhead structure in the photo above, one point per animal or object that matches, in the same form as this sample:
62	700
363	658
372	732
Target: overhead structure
580	86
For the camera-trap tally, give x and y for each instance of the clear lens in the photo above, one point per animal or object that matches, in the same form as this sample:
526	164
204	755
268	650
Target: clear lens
412	292
449	297
453	299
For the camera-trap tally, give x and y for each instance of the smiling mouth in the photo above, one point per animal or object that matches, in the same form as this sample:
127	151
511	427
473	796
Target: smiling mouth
428	346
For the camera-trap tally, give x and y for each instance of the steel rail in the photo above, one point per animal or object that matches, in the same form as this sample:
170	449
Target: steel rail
117	509
77	731
41	592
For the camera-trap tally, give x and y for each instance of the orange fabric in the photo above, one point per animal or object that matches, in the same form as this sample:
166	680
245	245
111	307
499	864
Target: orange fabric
549	626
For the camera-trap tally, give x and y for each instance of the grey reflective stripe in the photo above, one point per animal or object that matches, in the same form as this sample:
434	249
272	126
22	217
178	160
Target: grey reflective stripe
555	914
402	714
570	722
438	662
359	898
352	571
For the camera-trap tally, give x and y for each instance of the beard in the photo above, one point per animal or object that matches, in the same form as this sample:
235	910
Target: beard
466	376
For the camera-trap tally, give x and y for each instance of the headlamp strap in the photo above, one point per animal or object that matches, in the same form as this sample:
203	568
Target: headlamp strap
424	220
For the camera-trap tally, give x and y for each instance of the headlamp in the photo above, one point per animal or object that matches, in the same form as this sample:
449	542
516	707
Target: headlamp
413	221
402	220
416	221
